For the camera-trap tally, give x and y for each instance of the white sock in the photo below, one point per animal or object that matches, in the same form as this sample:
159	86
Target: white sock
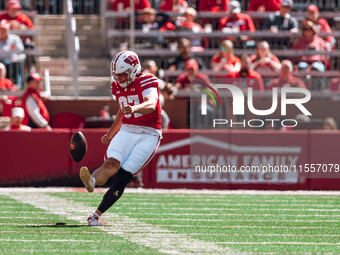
96	215
94	181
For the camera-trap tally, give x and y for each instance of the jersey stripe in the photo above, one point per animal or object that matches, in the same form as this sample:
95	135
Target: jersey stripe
152	78
150	82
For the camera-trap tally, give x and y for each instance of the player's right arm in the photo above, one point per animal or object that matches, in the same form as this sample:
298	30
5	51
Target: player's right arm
114	128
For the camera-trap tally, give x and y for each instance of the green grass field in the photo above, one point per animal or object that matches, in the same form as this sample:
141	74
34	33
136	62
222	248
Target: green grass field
168	223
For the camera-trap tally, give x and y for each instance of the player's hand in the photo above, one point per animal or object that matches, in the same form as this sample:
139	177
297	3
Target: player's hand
106	139
128	109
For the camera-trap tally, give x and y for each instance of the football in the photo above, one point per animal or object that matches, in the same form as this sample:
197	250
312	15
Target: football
78	146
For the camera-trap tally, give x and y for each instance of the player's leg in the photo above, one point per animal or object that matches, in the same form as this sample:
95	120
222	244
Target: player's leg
140	156
121	179
118	150
100	175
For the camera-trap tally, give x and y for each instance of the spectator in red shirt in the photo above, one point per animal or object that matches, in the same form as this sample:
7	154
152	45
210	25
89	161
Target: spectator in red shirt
213	5
225	60
236	22
173	6
312	42
7	103
335	84
5	84
18	115
191	76
320	24
264	5
264	60
36	113
121	5
246	78
16	19
286	79
187	23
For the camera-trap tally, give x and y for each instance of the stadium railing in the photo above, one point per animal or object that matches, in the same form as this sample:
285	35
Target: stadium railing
56	7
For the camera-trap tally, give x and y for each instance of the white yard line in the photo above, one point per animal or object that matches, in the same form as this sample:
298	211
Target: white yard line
300	205
197	214
233	214
190	226
240	209
243	226
26	217
287	243
254	234
191	234
162	240
60	240
241	220
187	191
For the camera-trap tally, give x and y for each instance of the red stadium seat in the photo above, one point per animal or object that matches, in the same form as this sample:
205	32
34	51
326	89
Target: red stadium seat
68	120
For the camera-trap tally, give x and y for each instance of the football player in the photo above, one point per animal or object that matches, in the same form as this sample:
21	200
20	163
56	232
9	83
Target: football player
134	136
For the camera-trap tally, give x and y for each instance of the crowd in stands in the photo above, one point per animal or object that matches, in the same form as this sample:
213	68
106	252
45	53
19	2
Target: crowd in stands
30	110
261	69
261	65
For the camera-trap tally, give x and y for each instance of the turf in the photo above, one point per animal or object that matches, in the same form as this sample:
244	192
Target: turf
273	224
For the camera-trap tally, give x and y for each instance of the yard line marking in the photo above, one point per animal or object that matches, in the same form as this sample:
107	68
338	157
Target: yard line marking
244	226
255	234
25	212
232	214
65	251
190	226
52	232
246	220
290	243
231	206
37	251
184	191
162	240
61	240
302	205
28	217
117	208
191	234
242	209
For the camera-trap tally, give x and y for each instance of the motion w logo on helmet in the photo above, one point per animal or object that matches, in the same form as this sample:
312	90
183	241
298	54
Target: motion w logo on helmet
131	60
